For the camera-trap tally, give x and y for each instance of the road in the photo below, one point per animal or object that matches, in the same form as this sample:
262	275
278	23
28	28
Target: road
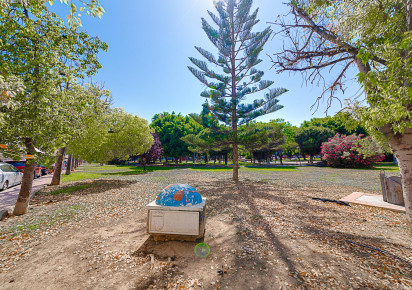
8	197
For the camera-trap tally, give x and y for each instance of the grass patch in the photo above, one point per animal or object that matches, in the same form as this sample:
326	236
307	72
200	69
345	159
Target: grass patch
259	168
211	169
96	171
387	166
76	176
70	189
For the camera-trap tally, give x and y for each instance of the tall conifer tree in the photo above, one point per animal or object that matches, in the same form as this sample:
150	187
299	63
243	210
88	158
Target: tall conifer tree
238	54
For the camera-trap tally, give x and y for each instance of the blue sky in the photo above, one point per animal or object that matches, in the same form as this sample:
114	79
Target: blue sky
149	42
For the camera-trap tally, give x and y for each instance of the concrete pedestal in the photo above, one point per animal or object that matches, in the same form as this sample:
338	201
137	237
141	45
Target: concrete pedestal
185	223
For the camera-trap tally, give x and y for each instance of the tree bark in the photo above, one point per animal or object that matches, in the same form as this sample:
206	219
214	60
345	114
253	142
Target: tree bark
225	158
23	199
69	164
311	159
143	162
58	168
401	145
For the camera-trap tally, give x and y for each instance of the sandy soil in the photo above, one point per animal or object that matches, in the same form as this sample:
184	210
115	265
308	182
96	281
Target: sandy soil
264	233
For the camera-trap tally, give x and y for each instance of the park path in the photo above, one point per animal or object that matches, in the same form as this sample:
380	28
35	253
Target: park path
8	197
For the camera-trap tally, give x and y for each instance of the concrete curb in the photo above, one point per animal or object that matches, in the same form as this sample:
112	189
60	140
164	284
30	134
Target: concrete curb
356	198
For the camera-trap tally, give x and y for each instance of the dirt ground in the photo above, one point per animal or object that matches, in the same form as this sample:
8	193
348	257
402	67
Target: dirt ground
265	232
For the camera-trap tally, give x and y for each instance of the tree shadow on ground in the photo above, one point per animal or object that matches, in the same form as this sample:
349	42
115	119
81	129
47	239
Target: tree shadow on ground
267	237
287	220
64	192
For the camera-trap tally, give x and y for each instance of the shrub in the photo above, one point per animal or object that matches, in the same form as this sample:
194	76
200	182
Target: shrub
351	151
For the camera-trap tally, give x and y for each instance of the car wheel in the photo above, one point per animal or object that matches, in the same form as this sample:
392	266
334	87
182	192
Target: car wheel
5	185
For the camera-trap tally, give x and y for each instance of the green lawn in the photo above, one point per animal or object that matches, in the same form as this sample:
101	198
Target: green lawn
93	171
387	166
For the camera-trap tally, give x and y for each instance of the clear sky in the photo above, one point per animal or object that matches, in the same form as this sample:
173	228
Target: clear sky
149	42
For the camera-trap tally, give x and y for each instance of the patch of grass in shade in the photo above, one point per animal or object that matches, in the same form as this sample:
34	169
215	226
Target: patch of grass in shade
96	171
279	168
387	166
212	169
70	189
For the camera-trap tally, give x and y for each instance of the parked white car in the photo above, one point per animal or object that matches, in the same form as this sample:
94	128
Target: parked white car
9	176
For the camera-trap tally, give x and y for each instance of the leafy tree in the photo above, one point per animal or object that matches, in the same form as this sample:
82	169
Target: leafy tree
238	54
9	88
263	139
115	135
376	38
214	138
40	50
351	151
338	124
171	128
76	8
291	147
95	102
154	153
311	138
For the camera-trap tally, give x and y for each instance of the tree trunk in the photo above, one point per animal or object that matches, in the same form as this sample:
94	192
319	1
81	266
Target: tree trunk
235	163
23	199
225	158
58	168
73	167
69	165
402	149
311	159
143	162
281	159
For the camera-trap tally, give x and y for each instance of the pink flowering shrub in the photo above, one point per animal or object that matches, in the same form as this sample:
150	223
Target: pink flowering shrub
351	151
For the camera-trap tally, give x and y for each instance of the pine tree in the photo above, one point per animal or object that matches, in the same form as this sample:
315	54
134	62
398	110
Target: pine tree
238	54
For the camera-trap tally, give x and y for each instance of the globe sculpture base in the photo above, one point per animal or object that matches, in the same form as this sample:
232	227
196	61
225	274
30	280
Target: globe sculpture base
185	223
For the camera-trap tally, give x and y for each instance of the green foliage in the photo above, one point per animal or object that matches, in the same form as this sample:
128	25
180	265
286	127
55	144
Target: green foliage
171	128
76	8
48	58
311	138
112	134
290	147
238	55
342	123
378	33
239	50
259	136
9	88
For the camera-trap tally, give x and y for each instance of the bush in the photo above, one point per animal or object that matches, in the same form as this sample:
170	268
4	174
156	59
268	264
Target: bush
351	151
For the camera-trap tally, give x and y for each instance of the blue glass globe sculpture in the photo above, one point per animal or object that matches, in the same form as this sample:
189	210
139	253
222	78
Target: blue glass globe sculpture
179	195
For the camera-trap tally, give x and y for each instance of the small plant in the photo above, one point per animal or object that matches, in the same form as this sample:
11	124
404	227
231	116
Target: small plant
351	151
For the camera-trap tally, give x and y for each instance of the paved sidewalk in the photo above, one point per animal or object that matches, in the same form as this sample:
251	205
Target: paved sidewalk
373	200
8	197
